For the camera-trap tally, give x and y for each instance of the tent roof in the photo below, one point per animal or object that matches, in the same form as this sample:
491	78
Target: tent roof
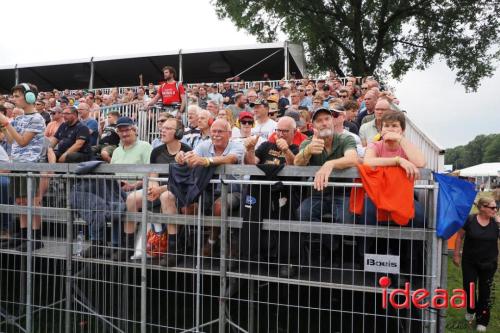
202	65
484	169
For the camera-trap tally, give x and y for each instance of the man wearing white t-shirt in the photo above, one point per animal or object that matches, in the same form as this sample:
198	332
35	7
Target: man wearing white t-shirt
264	126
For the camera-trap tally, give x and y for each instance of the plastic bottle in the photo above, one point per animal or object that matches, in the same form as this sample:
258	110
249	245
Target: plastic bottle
79	244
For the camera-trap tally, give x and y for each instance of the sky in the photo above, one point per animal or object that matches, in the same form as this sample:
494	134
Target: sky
52	30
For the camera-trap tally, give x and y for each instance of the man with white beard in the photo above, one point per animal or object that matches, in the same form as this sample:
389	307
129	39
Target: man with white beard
329	150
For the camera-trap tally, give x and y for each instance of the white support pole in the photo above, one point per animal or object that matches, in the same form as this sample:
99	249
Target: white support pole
16	75
287	69
181	76
91	80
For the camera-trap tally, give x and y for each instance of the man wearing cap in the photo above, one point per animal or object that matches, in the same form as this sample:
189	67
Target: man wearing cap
131	150
63	102
71	141
264	126
40	108
330	151
214	95
57	120
246	123
284	101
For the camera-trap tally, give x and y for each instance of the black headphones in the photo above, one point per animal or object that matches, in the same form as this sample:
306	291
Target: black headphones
179	132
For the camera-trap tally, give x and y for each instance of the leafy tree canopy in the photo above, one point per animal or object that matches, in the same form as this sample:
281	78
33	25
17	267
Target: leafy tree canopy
483	149
358	36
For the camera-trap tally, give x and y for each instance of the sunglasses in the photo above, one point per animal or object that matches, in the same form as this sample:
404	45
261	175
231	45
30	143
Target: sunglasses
246	122
491	207
343	96
161	120
336	114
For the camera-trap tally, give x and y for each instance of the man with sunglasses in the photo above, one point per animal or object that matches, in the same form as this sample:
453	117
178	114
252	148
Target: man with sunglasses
57	120
274	201
162	117
40	108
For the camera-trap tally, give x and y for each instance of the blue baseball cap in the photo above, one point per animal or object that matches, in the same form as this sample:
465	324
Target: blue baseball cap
124	121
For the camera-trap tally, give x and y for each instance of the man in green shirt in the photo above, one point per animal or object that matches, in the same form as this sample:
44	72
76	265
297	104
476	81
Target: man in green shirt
329	150
130	151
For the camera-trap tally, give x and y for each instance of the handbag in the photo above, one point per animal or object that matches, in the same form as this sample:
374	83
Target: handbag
156	243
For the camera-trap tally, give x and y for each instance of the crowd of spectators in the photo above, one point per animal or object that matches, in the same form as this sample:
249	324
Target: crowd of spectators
301	122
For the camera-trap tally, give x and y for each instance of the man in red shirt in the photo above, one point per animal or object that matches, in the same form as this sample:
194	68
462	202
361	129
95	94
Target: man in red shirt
171	92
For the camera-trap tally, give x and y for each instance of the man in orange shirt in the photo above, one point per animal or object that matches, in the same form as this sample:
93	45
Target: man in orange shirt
57	120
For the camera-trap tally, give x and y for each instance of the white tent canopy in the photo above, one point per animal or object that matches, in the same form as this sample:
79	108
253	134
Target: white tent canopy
481	170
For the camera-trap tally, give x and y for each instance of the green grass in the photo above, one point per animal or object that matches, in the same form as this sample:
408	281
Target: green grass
455	321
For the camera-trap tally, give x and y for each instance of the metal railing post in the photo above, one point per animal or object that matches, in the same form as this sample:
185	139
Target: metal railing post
144	222
432	264
443	284
29	258
69	257
223	241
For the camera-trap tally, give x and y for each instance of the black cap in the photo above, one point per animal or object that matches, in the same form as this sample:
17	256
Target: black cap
64	99
322	109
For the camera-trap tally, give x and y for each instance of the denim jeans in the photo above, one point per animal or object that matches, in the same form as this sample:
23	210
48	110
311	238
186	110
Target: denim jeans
5	199
325	208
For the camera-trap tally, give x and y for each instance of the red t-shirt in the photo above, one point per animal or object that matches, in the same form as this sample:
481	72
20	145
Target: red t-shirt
169	92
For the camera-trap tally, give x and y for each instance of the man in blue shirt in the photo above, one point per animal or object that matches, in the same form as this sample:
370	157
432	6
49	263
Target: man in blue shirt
91	123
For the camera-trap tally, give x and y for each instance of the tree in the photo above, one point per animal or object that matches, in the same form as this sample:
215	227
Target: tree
483	149
358	36
492	150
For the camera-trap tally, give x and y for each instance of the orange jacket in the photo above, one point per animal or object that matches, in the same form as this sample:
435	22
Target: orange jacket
390	190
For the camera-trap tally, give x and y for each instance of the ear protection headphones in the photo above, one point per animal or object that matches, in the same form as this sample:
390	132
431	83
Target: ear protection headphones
29	95
210	121
179	132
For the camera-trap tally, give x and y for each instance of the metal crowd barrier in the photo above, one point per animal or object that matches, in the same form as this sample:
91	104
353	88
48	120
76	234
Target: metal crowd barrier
238	286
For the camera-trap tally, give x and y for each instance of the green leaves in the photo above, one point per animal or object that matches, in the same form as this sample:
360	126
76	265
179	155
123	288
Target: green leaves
358	36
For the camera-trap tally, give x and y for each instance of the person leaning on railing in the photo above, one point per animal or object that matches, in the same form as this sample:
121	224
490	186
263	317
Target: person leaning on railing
330	151
26	135
130	151
479	257
393	149
218	150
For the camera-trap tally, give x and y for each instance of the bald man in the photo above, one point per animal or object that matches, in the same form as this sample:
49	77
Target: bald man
278	202
280	152
370	131
368	106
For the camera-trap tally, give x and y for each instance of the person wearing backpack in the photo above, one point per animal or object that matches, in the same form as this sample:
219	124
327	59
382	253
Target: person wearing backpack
171	92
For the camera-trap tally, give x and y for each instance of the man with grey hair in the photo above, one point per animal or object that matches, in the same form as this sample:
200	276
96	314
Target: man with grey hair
213	107
191	133
91	123
218	150
277	202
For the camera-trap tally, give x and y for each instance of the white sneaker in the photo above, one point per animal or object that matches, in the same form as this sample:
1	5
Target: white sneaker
481	328
470	316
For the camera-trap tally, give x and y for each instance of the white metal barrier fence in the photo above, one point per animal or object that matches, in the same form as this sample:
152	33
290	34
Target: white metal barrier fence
280	261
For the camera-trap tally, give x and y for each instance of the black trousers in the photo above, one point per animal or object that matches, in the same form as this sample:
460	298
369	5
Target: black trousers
482	274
